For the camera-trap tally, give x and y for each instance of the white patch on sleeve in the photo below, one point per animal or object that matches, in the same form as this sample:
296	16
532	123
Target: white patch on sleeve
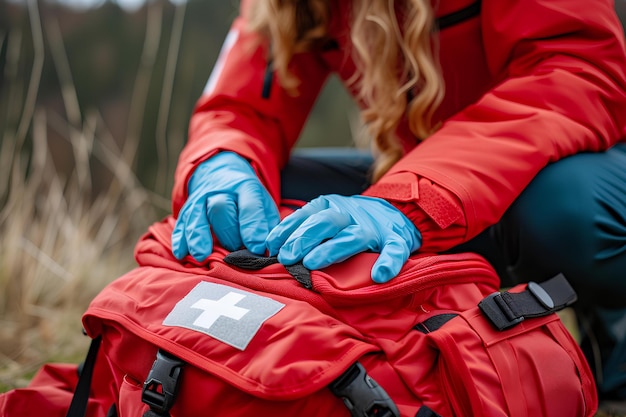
230	40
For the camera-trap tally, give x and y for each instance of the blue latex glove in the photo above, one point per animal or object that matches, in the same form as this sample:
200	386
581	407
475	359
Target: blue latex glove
225	196
332	228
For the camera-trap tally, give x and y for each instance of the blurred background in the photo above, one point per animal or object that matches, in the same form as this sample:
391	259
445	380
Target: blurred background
95	98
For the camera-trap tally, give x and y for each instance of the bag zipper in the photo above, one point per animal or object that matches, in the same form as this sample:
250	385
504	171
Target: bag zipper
420	273
431	272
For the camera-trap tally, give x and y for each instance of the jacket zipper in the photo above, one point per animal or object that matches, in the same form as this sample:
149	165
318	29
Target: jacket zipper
459	16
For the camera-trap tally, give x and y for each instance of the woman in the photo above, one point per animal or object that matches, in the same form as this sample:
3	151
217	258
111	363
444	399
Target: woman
496	127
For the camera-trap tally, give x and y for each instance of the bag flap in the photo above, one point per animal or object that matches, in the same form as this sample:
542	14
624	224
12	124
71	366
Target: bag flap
268	345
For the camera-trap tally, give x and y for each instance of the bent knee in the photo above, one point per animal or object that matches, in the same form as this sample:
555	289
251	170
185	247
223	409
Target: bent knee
567	221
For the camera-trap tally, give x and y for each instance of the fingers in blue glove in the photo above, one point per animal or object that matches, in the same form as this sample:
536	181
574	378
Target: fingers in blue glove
192	235
392	258
257	216
221	209
342	246
226	198
311	233
393	254
179	241
333	228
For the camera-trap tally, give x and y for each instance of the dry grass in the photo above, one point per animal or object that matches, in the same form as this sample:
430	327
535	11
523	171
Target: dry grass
62	240
60	247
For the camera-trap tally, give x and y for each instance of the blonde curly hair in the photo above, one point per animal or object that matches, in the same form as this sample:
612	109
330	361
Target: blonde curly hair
397	69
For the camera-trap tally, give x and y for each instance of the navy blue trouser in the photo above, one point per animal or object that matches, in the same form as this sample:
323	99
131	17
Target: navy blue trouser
570	219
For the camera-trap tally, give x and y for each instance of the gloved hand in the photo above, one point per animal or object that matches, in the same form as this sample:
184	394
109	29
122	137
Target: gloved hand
332	228
225	195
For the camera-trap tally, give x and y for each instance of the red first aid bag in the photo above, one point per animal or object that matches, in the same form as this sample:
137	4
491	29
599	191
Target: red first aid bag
242	335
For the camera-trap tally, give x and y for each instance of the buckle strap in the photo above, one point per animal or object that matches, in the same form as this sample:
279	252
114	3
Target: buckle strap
506	309
362	395
161	386
434	323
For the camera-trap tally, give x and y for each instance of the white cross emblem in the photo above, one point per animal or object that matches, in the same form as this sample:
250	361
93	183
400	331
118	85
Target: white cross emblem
214	309
208	306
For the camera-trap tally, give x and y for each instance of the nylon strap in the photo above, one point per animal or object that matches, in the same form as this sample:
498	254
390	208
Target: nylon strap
78	406
434	323
506	309
426	412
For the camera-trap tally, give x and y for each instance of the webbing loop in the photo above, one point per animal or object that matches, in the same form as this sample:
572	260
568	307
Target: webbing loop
507	309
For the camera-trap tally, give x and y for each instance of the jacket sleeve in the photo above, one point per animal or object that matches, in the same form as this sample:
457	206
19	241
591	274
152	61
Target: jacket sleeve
232	113
561	90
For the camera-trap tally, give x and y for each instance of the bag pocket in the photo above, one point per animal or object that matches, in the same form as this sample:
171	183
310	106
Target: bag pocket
532	368
129	403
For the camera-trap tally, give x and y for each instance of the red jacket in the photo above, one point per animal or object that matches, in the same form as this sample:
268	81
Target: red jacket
527	82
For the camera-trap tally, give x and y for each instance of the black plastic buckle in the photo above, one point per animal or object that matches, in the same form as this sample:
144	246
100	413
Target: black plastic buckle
362	395
541	295
161	386
500	314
